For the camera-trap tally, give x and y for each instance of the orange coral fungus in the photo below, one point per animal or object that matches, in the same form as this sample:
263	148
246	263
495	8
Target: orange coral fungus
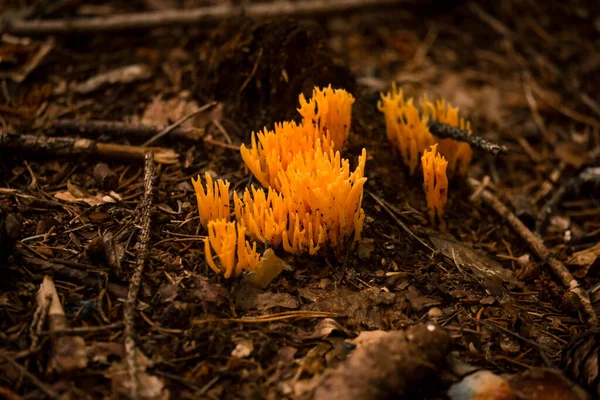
435	183
229	245
214	203
405	128
325	200
319	202
330	111
264	216
274	150
457	153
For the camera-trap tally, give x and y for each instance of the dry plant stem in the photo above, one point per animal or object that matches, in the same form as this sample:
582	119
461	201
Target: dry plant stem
200	16
23	371
69	146
143	251
450	132
97	128
537	245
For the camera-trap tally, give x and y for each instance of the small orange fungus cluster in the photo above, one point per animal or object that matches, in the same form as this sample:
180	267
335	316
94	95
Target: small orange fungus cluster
312	198
435	183
407	128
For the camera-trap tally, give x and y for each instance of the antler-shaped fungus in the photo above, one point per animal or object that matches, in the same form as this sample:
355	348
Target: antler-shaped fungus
330	111
435	183
228	244
214	203
404	126
457	153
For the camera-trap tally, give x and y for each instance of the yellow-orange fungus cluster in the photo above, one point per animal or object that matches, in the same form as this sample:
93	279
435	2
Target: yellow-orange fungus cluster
312	198
318	203
435	183
234	253
330	111
214	202
407	128
272	151
457	153
229	246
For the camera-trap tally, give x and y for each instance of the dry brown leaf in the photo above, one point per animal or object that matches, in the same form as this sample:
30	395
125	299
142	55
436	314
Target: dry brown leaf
584	260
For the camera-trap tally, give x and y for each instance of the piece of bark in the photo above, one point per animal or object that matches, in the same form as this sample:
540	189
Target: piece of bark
394	365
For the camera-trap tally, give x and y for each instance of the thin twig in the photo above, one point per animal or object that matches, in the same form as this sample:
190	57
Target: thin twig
34	379
537	245
177	123
400	223
200	16
97	127
143	252
447	131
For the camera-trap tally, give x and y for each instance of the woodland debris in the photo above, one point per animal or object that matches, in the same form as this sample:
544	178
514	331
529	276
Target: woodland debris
580	296
446	131
77	276
122	75
589	176
68	352
94	128
580	360
395	364
69	146
10	230
200	16
20	74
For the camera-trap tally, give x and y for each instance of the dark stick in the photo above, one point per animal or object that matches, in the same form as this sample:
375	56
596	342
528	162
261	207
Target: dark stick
200	16
143	251
70	146
450	132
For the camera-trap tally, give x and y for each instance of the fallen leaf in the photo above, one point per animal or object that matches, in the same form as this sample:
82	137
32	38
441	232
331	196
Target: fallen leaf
243	348
584	260
268	268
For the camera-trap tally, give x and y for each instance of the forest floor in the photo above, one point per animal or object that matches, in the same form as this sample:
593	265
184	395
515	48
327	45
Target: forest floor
524	73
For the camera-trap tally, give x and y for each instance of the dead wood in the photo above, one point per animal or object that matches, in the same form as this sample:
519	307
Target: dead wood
537	245
201	16
390	367
447	131
143	252
95	128
69	146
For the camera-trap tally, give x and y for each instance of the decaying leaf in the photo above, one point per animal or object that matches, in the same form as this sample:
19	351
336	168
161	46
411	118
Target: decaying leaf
267	269
74	194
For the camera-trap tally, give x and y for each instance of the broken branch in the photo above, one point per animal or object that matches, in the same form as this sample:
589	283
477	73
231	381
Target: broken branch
537	245
205	16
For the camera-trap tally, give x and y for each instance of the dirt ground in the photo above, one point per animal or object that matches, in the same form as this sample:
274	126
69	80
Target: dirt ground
525	73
